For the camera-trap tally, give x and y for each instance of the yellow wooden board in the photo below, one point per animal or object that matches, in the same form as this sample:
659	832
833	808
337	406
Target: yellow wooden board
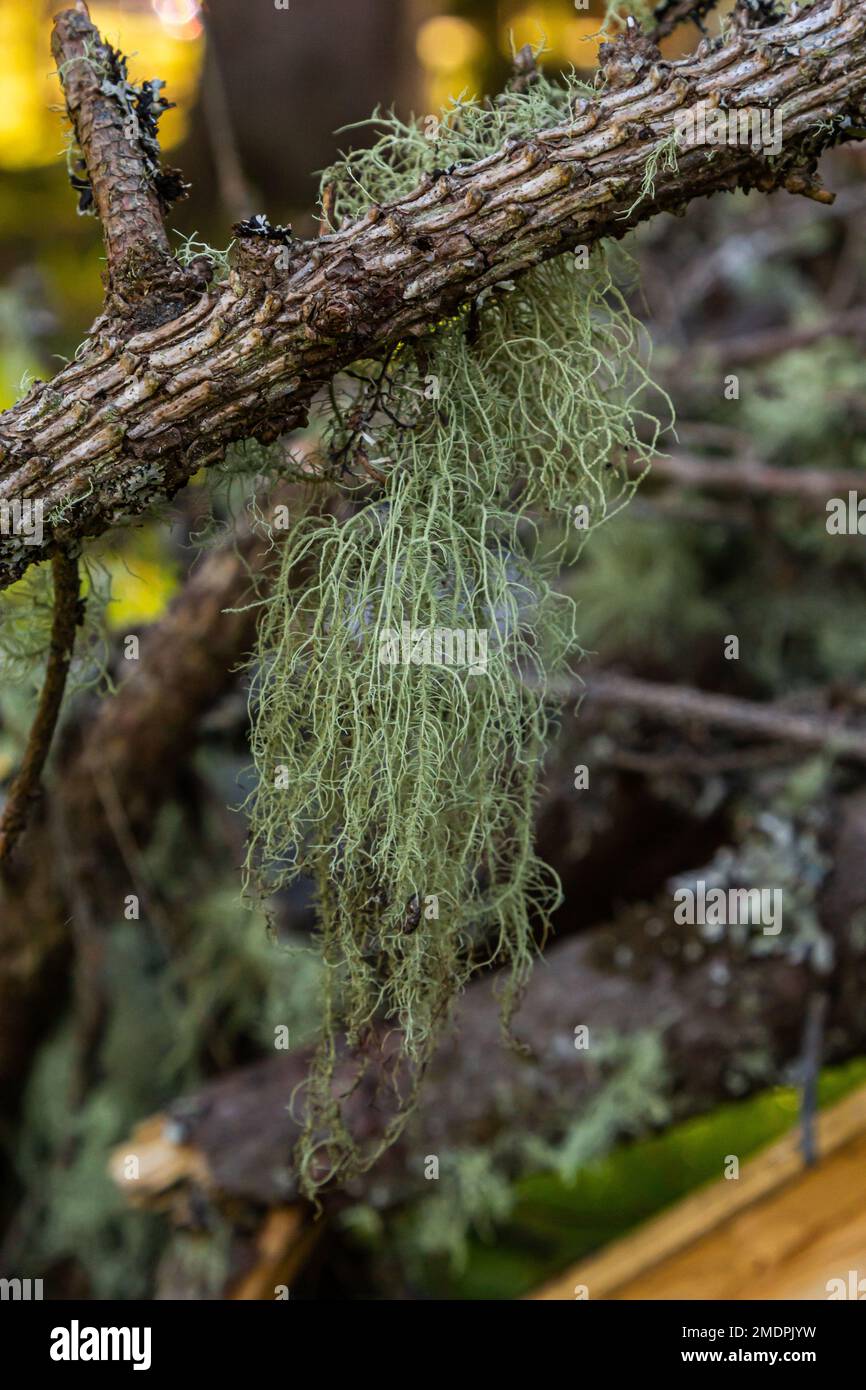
777	1231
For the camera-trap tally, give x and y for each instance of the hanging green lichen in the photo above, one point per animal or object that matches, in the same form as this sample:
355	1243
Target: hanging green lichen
401	704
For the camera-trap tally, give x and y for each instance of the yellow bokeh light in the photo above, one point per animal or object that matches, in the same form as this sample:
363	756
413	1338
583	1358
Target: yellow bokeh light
565	35
178	12
141	586
580	41
447	44
444	88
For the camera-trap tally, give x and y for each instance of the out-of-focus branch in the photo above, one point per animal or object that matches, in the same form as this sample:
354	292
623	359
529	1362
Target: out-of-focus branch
750	348
682	705
751	477
236	194
671	13
67	617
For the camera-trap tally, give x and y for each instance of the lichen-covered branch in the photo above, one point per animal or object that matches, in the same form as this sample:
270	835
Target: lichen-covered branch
118	171
143	407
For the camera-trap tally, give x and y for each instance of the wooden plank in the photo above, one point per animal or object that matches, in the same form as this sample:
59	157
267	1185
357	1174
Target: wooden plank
283	1246
786	1246
625	1262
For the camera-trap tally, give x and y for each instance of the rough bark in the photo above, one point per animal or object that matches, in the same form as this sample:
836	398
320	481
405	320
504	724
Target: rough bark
143	407
126	201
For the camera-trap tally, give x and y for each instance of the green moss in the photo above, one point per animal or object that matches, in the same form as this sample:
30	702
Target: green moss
475	1190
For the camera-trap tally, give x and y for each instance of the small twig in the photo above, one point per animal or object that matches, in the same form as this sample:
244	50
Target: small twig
525	71
328	221
687	761
68	613
670	13
89	942
810	1071
235	193
681	704
752	477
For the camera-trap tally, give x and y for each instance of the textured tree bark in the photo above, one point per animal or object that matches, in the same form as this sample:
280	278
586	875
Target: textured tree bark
126	201
143	407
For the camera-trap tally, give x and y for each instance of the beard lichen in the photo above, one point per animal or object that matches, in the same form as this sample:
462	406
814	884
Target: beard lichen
401	698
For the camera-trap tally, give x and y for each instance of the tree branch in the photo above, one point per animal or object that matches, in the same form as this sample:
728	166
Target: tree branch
66	618
752	477
141	409
681	705
110	123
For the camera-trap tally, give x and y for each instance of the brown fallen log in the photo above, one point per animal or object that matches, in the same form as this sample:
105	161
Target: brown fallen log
709	1006
174	370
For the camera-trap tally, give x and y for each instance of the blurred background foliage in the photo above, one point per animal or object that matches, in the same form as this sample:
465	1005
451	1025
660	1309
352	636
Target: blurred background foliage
259	96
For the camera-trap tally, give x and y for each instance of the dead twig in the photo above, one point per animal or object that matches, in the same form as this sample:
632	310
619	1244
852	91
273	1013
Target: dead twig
68	613
754	478
681	705
810	1071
